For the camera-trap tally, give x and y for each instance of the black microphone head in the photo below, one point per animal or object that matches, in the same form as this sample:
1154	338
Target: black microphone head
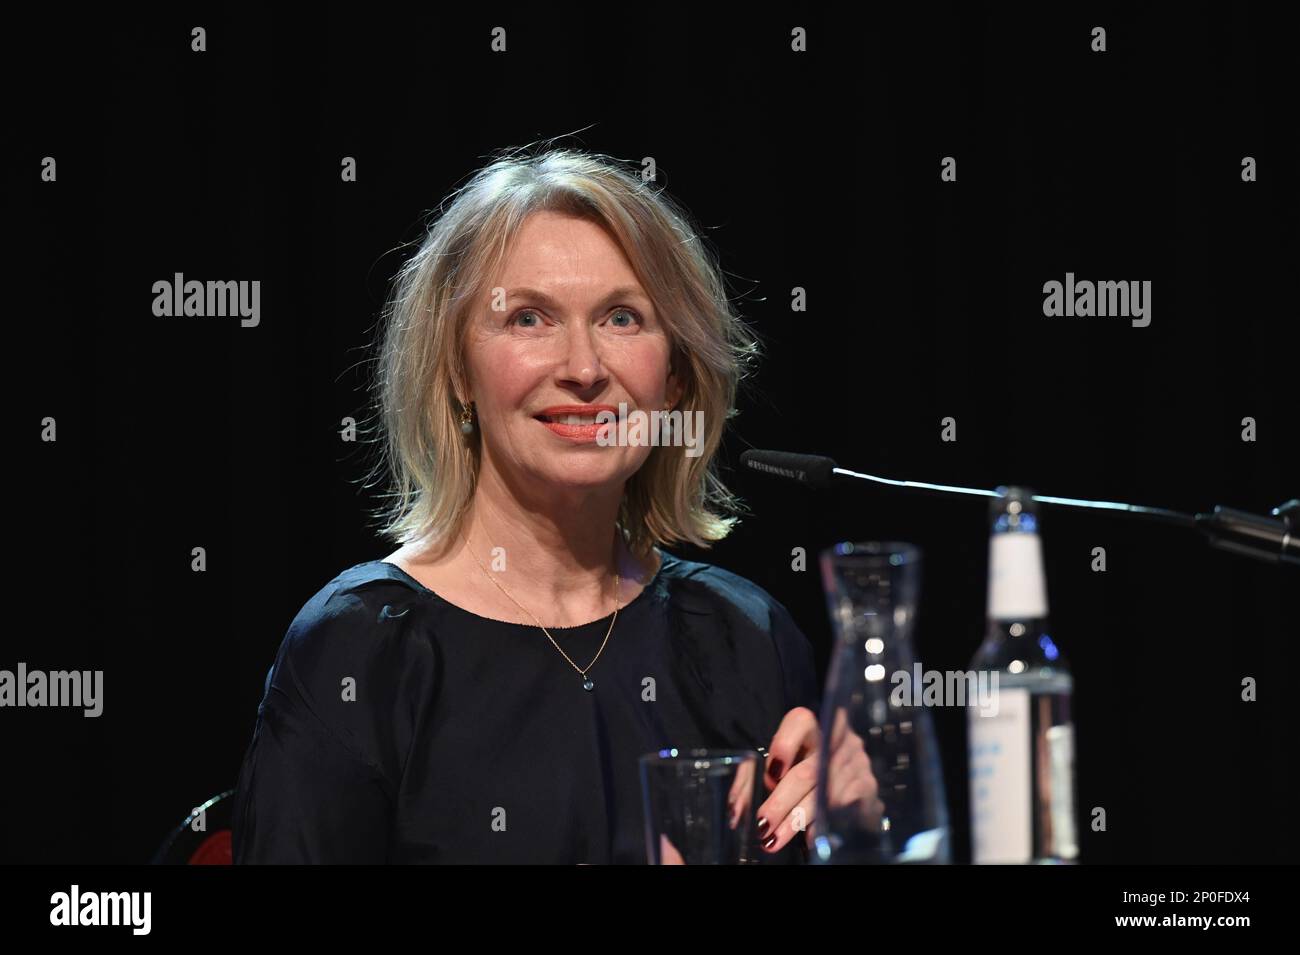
813	470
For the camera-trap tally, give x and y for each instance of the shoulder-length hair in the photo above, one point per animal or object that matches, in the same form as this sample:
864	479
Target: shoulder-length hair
420	371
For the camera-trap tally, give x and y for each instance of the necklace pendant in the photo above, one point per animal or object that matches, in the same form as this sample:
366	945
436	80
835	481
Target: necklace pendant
588	685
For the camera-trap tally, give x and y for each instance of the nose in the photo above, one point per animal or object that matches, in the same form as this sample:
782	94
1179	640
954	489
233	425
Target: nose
581	365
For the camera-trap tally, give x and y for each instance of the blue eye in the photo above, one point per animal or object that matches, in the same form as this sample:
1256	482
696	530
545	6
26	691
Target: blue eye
519	317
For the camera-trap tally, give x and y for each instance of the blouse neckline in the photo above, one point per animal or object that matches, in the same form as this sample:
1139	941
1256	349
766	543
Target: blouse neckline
664	559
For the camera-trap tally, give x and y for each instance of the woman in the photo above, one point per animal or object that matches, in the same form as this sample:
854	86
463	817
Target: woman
483	693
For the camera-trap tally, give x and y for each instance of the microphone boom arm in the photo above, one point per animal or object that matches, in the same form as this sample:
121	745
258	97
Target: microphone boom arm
1273	538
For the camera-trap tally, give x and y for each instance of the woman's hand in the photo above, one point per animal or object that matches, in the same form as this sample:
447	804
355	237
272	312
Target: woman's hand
791	778
790	775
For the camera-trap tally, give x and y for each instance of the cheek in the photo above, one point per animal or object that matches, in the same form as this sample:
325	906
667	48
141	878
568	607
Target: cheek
507	375
642	367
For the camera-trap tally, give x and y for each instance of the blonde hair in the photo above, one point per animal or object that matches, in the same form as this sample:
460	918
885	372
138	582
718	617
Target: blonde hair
420	368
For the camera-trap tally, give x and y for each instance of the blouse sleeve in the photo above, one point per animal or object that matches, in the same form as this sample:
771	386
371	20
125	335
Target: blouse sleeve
314	787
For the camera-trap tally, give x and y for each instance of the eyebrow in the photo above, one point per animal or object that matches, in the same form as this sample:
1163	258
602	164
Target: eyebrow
623	291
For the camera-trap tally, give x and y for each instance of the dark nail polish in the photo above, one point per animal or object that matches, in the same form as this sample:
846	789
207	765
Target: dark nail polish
762	825
777	767
769	842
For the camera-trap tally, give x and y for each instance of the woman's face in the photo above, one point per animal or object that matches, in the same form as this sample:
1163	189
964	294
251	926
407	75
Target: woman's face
566	323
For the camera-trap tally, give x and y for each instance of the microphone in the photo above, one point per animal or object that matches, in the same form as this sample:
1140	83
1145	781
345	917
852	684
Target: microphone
811	469
1274	539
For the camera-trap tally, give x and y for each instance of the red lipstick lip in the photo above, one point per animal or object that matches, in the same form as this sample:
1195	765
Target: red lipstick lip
580	433
576	409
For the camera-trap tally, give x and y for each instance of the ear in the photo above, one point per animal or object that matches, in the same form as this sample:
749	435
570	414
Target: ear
674	391
463	394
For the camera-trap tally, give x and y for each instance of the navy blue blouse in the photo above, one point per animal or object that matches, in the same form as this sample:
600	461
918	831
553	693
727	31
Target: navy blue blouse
455	718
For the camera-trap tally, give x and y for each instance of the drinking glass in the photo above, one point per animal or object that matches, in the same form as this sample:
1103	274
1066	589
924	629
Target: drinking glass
700	806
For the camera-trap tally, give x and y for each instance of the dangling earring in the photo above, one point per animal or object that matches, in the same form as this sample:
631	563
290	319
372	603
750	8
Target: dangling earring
467	419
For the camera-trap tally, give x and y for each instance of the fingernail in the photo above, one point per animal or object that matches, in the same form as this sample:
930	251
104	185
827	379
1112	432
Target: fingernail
762	825
769	842
776	769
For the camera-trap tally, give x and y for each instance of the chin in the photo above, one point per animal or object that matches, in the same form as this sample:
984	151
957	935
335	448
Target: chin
582	471
584	478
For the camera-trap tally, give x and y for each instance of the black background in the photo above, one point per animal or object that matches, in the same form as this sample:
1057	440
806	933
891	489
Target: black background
818	170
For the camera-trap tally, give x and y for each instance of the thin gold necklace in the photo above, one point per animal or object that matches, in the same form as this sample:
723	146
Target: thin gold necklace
587	683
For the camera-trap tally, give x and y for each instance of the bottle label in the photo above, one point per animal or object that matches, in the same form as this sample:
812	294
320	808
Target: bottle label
1060	754
1016	588
1000	788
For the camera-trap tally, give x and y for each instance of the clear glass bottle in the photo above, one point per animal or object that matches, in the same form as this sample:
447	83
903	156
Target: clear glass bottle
880	785
1021	749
